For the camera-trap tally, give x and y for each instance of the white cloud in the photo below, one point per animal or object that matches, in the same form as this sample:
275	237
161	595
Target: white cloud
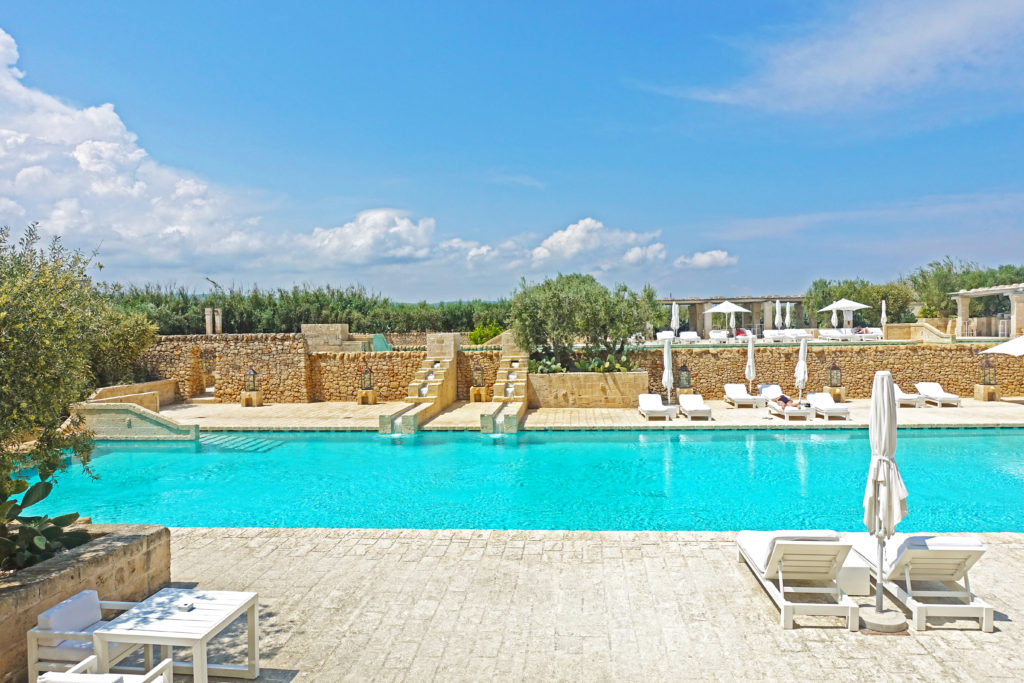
649	254
884	50
375	235
715	258
587	238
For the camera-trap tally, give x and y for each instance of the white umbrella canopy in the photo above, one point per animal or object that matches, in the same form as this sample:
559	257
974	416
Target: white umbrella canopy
800	374
727	307
789	313
1014	347
750	371
843	305
666	373
778	314
885	496
882	319
674	324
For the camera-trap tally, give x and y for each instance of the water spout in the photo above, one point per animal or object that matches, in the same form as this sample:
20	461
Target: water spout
423	390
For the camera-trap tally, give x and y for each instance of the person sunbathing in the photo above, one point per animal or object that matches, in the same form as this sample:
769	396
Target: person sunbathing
786	402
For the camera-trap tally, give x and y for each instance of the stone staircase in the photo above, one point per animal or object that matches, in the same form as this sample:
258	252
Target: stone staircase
430	378
245	444
510	382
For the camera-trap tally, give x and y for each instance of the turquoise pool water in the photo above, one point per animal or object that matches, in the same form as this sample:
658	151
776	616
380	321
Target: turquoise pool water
959	480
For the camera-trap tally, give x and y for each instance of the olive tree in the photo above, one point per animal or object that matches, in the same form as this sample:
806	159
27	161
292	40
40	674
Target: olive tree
549	317
48	311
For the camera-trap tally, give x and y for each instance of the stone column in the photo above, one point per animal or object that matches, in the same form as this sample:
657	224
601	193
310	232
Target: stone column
769	310
798	315
963	315
218	320
1016	314
693	316
707	319
209	321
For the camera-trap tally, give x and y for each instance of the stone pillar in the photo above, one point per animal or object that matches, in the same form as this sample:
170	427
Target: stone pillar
707	320
1016	314
218	320
769	311
693	315
209	321
798	315
963	315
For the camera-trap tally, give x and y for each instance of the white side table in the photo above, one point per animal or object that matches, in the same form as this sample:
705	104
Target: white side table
160	620
855	575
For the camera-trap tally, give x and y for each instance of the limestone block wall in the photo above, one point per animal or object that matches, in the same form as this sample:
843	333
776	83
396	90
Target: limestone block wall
129	562
178	358
164	388
488	361
281	362
417	338
338	376
955	366
586	389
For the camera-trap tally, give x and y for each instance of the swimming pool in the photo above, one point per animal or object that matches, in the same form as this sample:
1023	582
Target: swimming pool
959	480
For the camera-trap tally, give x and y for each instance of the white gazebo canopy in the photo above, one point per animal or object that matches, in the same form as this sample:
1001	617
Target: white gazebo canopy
843	305
727	307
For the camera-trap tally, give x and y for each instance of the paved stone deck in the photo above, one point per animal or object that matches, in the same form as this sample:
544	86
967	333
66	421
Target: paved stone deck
407	605
463	415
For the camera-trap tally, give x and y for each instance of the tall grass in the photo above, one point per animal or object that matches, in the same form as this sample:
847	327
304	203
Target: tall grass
180	310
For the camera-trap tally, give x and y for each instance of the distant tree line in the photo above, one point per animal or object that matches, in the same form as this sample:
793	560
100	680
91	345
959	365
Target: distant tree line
180	310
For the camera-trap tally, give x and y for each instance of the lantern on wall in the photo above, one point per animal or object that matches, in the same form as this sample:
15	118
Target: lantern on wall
988	372
684	377
478	375
367	378
835	375
250	380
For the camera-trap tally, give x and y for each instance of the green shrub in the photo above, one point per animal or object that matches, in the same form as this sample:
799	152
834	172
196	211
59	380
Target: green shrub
27	540
484	332
116	344
928	312
545	366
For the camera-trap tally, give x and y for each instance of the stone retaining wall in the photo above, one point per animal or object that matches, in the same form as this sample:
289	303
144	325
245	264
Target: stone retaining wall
955	366
281	362
338	376
129	562
418	338
165	389
586	389
488	361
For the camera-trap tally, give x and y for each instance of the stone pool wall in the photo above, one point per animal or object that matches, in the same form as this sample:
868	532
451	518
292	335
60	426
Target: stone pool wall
338	376
955	366
488	360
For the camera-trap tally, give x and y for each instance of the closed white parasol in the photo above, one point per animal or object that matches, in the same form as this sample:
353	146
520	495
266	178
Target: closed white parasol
885	496
750	371
666	373
674	324
882	318
800	374
778	314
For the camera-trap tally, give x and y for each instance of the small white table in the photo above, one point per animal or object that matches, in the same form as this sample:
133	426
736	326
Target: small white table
160	620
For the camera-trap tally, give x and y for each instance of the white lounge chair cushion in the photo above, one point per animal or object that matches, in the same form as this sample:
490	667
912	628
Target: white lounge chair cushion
667	334
56	677
737	391
758	545
77	650
933	390
902	394
74	614
771	391
825	402
866	546
692	402
650	402
689	335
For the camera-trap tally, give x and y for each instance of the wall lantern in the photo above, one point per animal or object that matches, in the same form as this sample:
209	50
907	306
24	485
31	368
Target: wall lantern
988	372
478	375
250	380
835	375
684	377
367	378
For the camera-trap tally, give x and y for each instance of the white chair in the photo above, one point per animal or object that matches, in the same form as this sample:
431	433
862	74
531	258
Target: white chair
651	406
85	672
801	334
718	336
825	406
666	334
692	405
829	334
910	558
932	392
738	396
873	334
689	337
773	335
905	399
810	557
63	636
771	393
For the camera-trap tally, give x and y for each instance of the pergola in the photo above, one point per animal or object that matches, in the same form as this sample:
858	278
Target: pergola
963	302
761	307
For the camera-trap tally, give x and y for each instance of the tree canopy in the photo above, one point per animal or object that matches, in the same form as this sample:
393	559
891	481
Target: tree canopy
551	316
898	297
934	283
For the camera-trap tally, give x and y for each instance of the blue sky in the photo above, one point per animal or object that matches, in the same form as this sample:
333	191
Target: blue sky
443	150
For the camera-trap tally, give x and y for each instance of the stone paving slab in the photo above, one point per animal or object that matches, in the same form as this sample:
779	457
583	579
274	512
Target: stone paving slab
461	415
469	605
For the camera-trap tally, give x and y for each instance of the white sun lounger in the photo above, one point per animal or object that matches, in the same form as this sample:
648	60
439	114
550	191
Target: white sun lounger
688	337
770	392
911	558
813	556
692	405
651	406
825	406
665	334
905	399
873	334
719	336
932	392
737	395
776	335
